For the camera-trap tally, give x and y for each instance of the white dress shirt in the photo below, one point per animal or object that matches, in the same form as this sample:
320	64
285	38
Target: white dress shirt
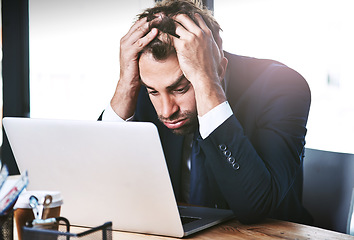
207	123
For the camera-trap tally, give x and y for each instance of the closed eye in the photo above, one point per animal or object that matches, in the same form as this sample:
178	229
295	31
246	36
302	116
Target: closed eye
153	92
183	89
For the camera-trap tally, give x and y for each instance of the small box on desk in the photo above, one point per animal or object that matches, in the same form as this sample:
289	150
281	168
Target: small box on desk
103	232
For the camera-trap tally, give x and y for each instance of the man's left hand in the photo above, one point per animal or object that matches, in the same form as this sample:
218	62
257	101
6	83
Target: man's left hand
201	61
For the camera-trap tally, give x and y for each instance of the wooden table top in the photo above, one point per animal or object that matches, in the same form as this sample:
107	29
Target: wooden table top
268	229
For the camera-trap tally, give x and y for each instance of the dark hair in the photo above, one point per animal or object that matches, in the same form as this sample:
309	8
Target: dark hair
161	47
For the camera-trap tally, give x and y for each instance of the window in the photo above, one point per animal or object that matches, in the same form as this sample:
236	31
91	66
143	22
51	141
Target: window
74	54
313	37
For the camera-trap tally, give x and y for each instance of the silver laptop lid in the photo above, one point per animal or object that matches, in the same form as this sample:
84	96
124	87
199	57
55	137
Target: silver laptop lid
105	171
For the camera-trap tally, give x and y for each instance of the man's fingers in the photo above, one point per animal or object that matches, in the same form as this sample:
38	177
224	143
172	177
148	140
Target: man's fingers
142	42
185	24
140	34
137	31
202	23
181	31
139	26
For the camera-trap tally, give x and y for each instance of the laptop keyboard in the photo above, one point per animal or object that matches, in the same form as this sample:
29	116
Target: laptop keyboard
186	219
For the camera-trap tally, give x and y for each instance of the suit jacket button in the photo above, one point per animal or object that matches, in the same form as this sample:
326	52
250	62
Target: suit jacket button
236	166
231	160
227	153
222	147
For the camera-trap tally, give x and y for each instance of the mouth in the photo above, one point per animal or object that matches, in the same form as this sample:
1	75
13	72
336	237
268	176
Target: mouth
175	124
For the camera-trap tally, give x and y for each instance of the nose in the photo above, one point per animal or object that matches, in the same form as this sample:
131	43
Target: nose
169	106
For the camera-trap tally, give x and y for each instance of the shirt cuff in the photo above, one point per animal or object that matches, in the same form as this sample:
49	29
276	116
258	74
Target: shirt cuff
109	115
214	118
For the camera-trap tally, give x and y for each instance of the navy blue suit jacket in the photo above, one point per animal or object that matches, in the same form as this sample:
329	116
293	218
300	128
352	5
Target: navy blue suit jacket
266	136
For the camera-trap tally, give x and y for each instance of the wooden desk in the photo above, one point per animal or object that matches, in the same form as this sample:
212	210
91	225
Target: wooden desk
269	229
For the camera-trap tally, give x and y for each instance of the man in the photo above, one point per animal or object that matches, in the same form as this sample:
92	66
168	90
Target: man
245	117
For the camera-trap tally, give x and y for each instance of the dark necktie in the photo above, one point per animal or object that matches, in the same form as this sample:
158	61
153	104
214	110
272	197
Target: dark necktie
199	189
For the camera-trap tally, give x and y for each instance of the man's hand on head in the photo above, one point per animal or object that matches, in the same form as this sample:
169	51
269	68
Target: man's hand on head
125	97
131	44
201	61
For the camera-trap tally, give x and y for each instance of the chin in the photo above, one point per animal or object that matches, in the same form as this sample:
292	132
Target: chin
185	130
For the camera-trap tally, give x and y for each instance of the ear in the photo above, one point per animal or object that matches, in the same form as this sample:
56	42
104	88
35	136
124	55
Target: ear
222	67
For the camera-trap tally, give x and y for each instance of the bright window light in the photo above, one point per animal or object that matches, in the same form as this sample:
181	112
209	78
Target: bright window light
313	37
74	54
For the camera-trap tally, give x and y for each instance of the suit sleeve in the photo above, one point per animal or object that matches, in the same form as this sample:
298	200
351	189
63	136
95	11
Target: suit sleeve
254	168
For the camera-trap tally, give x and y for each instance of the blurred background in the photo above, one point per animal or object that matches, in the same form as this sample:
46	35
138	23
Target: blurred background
74	55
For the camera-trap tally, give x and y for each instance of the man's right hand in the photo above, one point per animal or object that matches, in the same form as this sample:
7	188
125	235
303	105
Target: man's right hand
126	94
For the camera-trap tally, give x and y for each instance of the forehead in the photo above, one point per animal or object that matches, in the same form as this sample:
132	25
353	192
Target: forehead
158	73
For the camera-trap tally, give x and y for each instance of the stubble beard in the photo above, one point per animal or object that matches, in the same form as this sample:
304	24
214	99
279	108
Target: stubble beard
189	127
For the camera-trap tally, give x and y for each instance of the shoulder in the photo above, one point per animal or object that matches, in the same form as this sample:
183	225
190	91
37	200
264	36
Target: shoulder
269	75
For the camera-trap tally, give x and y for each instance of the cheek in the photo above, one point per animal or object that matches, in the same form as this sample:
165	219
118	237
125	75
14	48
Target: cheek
156	103
187	102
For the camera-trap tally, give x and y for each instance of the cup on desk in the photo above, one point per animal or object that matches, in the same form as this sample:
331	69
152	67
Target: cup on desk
23	212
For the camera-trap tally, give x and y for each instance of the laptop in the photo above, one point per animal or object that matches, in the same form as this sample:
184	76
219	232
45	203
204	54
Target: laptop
106	171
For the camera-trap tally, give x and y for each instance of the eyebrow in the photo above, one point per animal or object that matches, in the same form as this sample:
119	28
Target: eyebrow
172	86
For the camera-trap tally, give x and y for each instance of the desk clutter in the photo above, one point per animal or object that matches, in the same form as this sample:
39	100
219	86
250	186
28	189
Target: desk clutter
34	207
103	232
37	216
10	190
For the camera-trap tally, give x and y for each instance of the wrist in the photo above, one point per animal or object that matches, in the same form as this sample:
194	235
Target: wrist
124	99
208	96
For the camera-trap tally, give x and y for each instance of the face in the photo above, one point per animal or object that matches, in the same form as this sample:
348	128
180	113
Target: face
170	92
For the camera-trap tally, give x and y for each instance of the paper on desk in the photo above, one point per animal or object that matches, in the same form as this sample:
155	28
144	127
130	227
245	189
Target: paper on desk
8	185
10	192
